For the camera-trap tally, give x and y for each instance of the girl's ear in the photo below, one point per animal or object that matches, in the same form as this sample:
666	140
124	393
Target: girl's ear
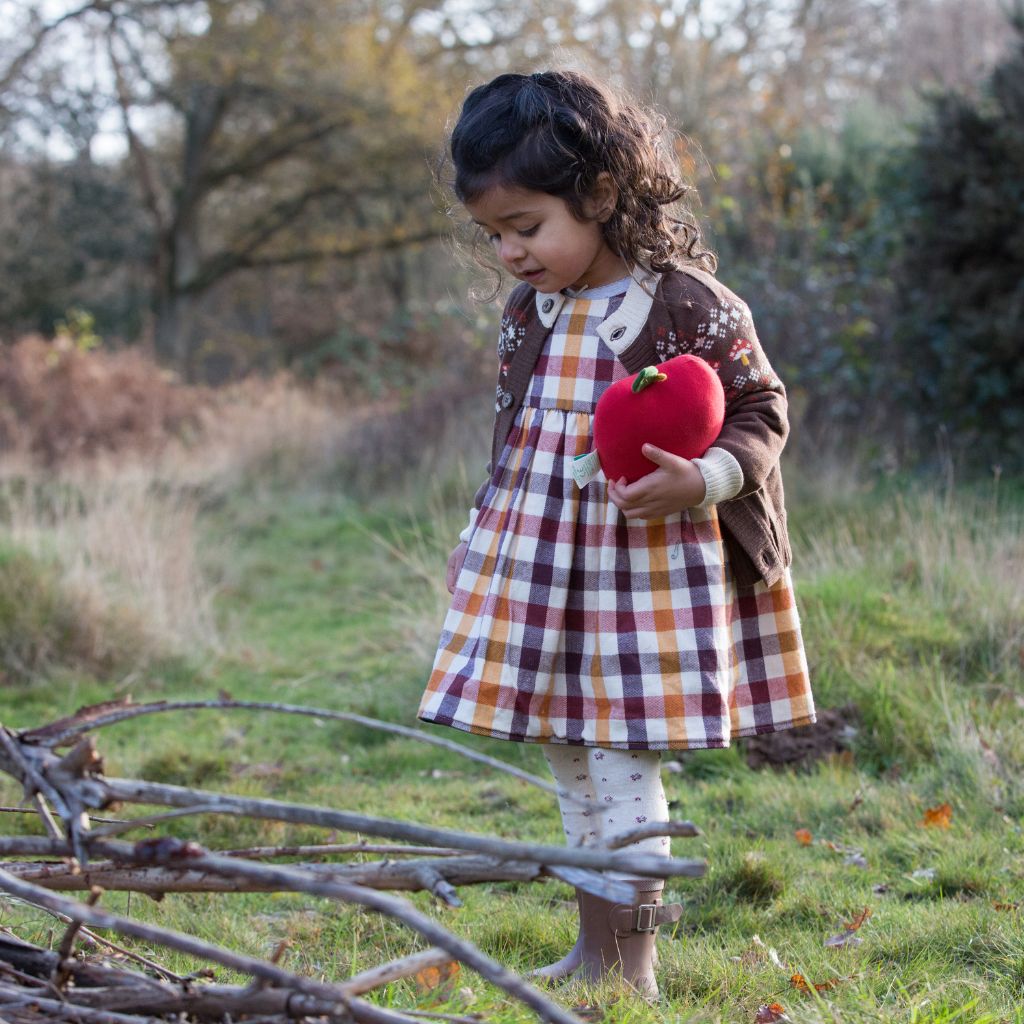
600	204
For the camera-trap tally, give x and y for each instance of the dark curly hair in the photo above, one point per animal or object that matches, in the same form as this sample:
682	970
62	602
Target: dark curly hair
556	132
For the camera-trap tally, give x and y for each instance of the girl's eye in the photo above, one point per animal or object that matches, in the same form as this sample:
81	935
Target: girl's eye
522	232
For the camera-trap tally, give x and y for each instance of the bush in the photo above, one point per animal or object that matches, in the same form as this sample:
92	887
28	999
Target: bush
44	624
958	340
60	401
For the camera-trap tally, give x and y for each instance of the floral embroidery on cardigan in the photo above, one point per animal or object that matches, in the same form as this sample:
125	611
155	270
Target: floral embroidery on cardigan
510	335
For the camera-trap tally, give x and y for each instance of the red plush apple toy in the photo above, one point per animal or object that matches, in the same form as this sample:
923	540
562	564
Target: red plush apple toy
678	406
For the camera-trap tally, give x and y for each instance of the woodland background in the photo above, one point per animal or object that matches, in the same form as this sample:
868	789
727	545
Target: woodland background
239	186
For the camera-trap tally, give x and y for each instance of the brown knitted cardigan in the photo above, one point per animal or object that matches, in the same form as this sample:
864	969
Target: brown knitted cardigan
691	311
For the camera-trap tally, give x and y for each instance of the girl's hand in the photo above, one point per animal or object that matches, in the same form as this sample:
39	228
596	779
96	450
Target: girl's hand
455	560
675	485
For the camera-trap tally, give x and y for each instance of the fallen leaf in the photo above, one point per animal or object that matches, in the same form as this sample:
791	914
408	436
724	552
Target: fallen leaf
855	860
881	889
432	978
938	817
799	982
852	926
1007	906
834	847
843	939
767	1013
926	874
803	837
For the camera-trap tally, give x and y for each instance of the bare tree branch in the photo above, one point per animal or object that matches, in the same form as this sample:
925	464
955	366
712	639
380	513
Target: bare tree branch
262	969
86	719
267	152
645	865
162	864
342	252
35	44
404	967
144	170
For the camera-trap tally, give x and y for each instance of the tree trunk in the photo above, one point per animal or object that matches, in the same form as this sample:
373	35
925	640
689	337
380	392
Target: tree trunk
176	327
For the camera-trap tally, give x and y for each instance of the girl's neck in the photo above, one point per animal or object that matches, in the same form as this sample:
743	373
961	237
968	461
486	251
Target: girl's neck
601	291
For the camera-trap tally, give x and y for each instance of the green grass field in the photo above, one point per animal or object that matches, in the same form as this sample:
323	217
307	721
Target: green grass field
913	610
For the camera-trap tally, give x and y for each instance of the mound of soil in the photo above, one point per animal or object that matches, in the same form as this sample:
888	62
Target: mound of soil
829	736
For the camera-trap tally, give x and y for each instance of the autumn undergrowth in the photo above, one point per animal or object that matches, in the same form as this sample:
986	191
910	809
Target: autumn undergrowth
912	600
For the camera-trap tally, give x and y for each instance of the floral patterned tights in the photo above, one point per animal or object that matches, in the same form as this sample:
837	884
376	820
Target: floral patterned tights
604	792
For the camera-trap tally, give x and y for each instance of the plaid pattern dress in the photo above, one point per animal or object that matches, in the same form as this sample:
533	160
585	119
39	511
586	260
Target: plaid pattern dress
571	624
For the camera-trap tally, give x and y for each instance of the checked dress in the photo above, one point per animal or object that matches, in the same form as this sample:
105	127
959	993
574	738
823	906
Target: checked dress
571	624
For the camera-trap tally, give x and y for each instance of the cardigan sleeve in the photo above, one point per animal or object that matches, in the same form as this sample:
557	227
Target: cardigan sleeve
756	421
716	325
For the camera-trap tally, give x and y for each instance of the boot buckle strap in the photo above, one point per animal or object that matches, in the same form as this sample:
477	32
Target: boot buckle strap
646	917
627	919
643	917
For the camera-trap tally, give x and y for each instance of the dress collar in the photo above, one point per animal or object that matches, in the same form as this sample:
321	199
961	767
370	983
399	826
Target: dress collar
622	327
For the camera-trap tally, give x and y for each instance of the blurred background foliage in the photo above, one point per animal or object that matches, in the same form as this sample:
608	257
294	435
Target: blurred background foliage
241	186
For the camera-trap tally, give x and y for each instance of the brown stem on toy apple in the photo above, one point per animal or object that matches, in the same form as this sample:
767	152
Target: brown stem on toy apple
646	377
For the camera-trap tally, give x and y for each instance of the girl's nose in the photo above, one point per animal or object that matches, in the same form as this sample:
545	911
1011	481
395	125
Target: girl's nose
511	250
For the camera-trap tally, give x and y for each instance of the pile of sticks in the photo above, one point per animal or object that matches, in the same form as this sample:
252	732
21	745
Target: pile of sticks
80	853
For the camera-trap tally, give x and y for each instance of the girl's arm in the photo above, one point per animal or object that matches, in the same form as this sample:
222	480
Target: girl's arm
478	499
756	420
721	331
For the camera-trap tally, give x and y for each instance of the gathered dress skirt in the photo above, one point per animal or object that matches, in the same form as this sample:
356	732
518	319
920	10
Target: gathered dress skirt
571	624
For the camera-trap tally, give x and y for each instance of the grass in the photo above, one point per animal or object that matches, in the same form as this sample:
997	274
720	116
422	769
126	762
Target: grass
912	605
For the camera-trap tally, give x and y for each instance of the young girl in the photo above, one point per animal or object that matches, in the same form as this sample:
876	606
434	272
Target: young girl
615	621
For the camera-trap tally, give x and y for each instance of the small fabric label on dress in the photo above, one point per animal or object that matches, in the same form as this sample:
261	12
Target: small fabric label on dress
585	468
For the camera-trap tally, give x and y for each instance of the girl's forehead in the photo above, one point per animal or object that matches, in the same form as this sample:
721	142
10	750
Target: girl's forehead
504	202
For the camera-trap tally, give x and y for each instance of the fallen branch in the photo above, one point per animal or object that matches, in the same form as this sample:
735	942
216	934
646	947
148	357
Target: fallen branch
596	859
86	719
331	849
437	876
262	969
405	967
155	881
418	858
61	971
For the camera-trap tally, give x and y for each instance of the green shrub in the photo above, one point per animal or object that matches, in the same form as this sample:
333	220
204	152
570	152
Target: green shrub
45	624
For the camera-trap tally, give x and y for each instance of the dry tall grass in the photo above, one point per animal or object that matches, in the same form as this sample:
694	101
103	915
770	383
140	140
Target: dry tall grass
125	543
107	462
959	553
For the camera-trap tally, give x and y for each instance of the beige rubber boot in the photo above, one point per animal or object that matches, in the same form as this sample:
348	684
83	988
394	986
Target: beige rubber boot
618	938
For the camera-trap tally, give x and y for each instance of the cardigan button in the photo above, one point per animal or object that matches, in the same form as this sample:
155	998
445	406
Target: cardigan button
507	398
547	305
618	333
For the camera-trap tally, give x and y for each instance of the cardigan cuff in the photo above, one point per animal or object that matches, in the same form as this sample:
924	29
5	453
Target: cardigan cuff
723	478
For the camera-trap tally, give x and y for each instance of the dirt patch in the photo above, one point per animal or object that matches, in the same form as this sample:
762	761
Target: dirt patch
831	735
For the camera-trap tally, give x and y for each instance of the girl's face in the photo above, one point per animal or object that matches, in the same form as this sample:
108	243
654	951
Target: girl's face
539	240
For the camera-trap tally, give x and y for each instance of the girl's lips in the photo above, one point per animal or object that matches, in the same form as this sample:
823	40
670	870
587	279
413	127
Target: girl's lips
530	274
